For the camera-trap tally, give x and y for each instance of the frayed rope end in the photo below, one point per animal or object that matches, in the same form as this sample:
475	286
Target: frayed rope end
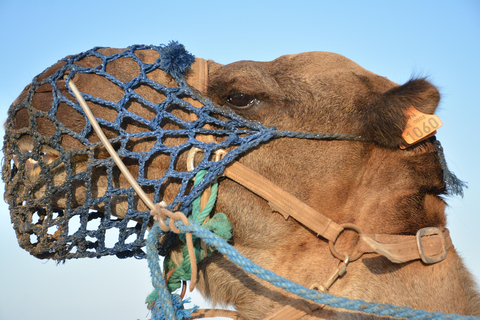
454	185
154	304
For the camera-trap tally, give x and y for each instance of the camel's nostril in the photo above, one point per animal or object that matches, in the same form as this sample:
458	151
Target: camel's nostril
15	161
49	158
31	165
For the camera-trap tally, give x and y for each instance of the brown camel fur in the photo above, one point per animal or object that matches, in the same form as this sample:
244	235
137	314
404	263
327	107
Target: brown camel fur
376	185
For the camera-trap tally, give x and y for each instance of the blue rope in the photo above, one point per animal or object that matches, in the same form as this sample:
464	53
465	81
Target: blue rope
158	283
164	306
322	298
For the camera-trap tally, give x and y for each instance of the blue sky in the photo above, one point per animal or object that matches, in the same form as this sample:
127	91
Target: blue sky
396	39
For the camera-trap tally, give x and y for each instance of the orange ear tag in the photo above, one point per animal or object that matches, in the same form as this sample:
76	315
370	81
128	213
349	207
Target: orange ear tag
420	126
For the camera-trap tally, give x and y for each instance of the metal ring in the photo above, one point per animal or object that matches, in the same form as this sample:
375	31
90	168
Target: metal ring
191	158
346	257
219	154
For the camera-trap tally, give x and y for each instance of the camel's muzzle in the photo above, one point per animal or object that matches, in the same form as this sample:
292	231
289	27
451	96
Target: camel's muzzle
67	197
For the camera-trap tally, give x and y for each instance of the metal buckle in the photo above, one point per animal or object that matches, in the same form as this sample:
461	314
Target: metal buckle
426	232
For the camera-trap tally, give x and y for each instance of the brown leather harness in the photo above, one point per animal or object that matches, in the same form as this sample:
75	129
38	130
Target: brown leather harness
429	245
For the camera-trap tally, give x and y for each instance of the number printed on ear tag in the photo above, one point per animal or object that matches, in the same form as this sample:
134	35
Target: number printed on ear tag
420	126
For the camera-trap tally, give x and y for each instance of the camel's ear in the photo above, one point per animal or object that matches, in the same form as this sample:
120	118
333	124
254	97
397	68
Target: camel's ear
384	119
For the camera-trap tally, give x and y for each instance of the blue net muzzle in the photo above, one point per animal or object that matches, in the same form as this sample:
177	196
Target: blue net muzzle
41	194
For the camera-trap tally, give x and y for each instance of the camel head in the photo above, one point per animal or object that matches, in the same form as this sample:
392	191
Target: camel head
56	170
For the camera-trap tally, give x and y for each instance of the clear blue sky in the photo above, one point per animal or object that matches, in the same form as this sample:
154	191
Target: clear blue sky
396	39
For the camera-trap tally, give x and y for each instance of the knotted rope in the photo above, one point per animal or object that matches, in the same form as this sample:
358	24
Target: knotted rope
186	270
218	224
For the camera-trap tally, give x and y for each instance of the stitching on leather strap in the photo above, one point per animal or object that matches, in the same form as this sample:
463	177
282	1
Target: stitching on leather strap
404	248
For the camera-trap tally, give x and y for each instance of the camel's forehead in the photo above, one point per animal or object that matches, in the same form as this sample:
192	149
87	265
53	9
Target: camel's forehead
313	62
307	66
317	59
320	73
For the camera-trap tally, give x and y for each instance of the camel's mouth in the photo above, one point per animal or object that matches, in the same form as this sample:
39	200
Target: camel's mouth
31	166
52	216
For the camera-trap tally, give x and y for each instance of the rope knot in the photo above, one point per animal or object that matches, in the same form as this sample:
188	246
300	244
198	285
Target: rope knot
160	214
195	249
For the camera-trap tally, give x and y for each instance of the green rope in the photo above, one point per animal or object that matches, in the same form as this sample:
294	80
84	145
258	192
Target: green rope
218	224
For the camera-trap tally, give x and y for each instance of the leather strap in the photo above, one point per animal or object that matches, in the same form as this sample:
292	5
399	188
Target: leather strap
429	245
283	202
198	79
293	311
213	313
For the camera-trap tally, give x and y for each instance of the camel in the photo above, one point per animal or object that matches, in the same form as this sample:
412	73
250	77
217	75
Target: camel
382	184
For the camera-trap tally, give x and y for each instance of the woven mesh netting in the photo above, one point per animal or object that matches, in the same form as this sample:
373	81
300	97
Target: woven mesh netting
66	196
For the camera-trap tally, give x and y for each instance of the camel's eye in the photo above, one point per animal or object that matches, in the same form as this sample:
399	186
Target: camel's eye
241	100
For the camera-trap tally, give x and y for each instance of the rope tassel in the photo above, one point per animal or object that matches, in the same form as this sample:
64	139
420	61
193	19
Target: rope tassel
454	185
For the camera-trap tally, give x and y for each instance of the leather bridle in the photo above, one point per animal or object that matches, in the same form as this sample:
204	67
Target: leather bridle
429	245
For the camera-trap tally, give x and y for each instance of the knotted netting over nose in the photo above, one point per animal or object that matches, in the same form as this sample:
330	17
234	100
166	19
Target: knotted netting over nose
66	196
